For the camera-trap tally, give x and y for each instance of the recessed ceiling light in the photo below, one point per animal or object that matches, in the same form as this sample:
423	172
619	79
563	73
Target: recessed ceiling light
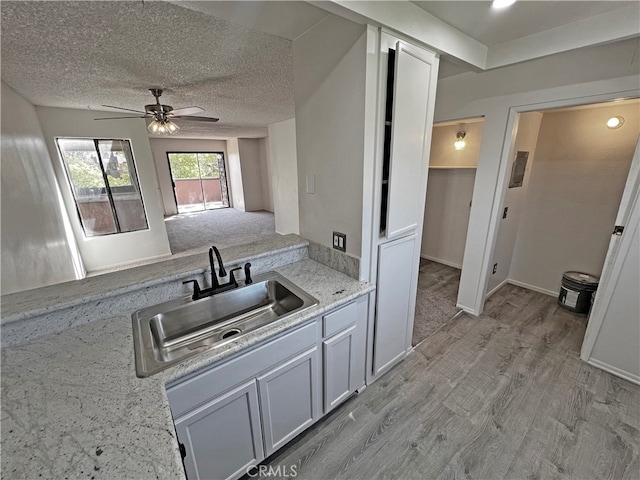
502	3
615	122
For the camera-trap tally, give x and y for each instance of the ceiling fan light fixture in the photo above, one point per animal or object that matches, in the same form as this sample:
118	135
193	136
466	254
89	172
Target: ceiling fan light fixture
162	127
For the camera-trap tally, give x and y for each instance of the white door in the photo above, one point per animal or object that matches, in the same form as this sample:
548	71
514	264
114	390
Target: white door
616	263
410	125
395	302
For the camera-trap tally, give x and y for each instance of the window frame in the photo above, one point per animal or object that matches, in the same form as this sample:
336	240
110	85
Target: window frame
107	190
223	175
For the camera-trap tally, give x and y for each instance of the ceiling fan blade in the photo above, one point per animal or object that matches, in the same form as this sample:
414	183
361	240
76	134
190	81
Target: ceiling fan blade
119	118
195	119
185	111
122	108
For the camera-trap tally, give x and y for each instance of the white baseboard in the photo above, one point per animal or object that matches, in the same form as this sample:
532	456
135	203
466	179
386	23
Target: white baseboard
468	310
532	287
614	370
439	260
495	289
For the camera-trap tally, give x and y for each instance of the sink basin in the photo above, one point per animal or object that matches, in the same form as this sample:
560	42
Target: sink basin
170	332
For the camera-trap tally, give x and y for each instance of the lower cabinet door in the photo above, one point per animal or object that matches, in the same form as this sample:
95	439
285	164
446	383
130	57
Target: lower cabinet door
289	399
340	376
222	438
395	302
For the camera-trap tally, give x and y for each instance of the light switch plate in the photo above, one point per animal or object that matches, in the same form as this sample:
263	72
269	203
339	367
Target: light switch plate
340	241
311	183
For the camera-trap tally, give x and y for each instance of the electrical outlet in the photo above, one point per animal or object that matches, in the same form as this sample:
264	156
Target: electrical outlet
340	241
504	214
495	267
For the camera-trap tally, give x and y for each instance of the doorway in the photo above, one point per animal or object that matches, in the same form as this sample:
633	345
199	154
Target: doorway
560	217
455	147
199	180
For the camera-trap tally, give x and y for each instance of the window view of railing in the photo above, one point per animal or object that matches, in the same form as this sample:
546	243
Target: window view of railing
103	178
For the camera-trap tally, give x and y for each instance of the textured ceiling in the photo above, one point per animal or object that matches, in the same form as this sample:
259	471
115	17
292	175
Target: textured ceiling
86	54
232	58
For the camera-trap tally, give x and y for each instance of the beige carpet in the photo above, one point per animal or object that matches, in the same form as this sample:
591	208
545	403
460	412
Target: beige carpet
432	312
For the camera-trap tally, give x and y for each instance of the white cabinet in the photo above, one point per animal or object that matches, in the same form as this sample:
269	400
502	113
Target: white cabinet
407	78
395	302
289	397
338	354
232	415
343	352
222	438
410	137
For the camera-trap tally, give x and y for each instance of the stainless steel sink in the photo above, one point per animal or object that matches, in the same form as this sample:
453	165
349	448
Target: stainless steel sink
170	332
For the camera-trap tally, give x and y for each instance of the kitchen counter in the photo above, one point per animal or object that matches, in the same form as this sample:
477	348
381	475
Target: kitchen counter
72	406
33	313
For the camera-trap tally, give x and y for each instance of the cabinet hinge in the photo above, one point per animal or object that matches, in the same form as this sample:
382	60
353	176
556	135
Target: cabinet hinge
183	451
618	229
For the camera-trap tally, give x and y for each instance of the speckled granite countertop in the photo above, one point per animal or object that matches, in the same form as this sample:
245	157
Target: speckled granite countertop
72	406
16	306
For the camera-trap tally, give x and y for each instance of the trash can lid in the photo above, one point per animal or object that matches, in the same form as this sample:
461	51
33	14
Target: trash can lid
585	279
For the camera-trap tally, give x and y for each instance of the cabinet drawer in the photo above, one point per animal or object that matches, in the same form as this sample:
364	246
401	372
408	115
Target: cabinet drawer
339	319
194	391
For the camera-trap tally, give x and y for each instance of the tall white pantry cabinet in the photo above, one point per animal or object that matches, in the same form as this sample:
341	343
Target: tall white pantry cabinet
407	77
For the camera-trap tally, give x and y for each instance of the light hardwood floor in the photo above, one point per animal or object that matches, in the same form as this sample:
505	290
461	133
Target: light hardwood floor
504	395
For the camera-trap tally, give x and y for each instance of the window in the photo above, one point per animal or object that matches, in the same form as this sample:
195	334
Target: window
199	180
103	179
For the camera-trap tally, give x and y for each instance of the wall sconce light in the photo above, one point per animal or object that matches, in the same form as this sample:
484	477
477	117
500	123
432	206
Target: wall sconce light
163	127
615	122
460	142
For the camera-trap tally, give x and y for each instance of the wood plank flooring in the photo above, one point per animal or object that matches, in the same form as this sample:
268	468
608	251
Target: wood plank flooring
504	395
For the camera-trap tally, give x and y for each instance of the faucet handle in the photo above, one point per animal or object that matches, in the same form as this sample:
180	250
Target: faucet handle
232	278
247	274
196	288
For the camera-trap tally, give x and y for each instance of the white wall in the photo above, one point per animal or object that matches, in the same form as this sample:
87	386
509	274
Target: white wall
528	128
329	78
446	214
235	175
266	174
37	248
284	176
110	250
161	146
254	168
449	191
574	193
585	76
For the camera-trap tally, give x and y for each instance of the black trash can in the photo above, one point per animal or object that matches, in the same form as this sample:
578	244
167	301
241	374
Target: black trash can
576	291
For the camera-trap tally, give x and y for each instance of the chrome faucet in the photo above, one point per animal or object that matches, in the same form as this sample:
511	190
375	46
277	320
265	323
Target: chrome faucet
216	286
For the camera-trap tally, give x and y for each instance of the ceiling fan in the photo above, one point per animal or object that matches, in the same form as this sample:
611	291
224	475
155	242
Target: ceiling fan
163	115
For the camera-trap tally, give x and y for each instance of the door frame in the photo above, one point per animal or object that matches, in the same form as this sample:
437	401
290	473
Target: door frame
503	177
222	177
